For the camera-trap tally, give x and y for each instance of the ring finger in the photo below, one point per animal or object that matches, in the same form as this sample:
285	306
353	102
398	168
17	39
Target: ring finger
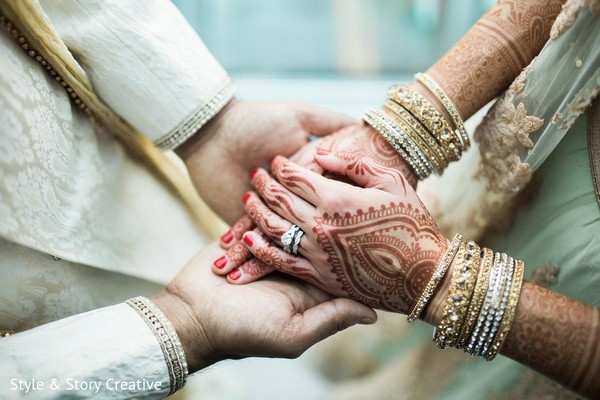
275	227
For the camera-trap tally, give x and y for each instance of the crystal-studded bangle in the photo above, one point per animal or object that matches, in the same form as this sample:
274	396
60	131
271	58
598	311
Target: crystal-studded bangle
459	296
398	135
481	333
167	338
427	144
487	261
496	317
437	91
398	140
414	123
509	313
436	278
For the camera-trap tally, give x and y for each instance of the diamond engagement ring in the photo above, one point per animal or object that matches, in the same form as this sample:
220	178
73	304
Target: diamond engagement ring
291	239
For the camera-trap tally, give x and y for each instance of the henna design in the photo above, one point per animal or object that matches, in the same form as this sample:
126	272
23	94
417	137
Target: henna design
278	198
382	257
242	225
277	259
367	166
289	179
262	215
238	253
367	141
491	55
255	268
558	336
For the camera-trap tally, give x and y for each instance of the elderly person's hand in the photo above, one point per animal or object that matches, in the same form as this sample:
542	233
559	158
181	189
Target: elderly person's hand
275	317
375	242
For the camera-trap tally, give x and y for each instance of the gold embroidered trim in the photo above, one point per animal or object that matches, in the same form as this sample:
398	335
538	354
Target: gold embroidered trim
594	146
197	120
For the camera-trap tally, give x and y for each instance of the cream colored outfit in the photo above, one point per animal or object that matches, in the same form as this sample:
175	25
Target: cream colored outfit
82	224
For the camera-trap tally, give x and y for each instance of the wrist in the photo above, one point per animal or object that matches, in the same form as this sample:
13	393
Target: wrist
205	134
196	345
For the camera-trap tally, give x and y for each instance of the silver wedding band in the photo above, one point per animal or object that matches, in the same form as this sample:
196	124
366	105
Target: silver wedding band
291	239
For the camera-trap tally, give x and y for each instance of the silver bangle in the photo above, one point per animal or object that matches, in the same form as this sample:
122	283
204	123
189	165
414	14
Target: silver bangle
167	338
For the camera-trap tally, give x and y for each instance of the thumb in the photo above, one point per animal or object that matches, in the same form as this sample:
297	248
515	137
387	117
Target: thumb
363	170
333	316
320	121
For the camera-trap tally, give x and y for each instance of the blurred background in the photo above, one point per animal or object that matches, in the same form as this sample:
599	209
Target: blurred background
340	54
284	49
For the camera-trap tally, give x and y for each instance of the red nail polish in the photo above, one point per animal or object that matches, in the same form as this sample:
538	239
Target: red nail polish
253	172
246	197
235	275
248	240
323	152
220	262
226	238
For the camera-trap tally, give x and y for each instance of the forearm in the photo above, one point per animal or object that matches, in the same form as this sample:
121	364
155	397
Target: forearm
551	333
559	337
493	52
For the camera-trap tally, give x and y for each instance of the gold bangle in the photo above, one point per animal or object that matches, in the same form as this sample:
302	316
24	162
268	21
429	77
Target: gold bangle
509	314
436	278
415	138
438	158
437	91
487	261
460	292
431	119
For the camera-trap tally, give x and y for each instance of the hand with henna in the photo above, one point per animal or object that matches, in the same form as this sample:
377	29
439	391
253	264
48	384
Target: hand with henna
374	243
359	139
377	244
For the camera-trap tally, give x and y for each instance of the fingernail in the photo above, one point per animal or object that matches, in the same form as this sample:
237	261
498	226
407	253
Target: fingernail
246	197
220	262
253	172
235	275
248	240
323	152
227	237
366	321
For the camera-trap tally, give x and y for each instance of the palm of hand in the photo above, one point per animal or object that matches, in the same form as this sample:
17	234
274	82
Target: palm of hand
274	317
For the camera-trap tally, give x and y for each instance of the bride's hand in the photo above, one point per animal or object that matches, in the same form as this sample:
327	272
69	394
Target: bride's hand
357	138
376	243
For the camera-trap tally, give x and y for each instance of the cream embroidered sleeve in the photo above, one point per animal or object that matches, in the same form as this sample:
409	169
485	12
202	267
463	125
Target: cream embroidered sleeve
108	353
146	62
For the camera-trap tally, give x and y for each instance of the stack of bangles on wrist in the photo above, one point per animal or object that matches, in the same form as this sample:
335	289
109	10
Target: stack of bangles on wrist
418	131
482	300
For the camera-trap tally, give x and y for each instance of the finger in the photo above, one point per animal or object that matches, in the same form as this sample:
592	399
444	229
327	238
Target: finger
269	223
281	200
233	235
363	170
281	261
330	317
237	255
320	121
250	271
306	157
306	184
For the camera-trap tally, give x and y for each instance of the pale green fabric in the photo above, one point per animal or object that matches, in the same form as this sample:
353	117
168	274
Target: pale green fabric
560	226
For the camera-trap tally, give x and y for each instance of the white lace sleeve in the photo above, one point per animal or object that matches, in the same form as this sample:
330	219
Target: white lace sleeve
146	62
108	353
